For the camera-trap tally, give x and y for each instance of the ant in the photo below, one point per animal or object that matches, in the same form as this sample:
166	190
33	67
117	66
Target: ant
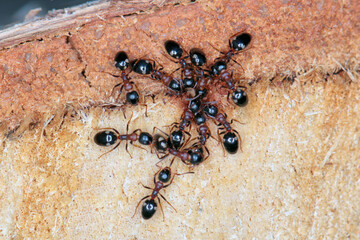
173	143
197	154
145	67
193	107
203	129
164	180
110	135
191	156
122	63
187	72
238	42
231	137
239	96
177	137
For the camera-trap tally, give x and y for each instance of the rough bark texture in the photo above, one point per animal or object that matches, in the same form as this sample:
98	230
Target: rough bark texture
298	173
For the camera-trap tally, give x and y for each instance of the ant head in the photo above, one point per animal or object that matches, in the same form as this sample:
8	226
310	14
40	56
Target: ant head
142	66
165	175
160	143
148	209
105	138
132	97
200	119
197	155
240	98
121	60
189	83
145	138
173	49
175	86
197	57
241	41
201	93
194	106
211	110
176	139
218	67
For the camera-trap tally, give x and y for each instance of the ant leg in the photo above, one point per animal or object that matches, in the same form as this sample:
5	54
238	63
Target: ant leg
186	163
155	175
167	201
146	114
139	204
238	64
113	75
138	146
126	148
172	126
117	85
159	162
186	142
160	131
214	138
172	161
228	95
110	150
137	130
144	104
221	141
191	140
216	50
117	98
127	125
163	157
161	208
177	174
175	72
165	55
146	186
208	153
234	120
123	111
236	132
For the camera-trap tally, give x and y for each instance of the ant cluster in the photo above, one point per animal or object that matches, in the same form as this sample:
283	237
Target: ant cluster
193	87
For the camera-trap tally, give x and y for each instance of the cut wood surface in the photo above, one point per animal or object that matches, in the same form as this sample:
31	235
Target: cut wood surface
297	176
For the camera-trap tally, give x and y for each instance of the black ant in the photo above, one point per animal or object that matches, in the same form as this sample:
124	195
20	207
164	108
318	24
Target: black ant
145	67
164	180
203	129
231	137
239	96
197	154
190	156
122	63
177	138
174	142
187	72
238	42
188	115
111	135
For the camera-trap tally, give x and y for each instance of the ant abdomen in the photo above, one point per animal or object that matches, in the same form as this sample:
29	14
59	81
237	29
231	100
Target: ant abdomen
148	209
105	138
231	142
